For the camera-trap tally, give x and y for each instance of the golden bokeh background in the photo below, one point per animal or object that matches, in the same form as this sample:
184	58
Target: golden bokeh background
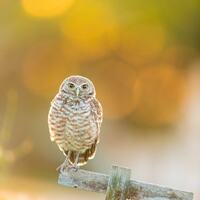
144	60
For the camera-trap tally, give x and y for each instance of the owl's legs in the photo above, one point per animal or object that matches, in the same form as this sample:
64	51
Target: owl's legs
76	161
75	166
65	164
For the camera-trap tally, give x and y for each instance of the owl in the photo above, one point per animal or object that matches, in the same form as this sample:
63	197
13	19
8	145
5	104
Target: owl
74	121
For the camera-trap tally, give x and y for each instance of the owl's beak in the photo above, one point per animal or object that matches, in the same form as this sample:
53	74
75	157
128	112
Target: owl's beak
77	92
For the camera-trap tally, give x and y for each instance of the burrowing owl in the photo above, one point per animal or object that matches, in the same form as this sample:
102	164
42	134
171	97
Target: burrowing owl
74	120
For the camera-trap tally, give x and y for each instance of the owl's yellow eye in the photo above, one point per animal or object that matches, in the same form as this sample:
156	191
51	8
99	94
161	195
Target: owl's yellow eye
84	86
71	85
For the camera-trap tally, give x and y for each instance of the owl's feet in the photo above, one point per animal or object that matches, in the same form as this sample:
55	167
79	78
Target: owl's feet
62	168
73	168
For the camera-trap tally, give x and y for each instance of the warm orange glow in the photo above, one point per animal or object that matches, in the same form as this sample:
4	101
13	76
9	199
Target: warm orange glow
115	92
144	60
160	92
44	69
91	29
142	44
46	8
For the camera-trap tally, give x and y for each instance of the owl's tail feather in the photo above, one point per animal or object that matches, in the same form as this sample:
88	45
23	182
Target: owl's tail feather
83	157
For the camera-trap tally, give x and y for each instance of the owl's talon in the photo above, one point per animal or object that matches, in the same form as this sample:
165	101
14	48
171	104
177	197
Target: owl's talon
59	167
63	171
73	168
63	166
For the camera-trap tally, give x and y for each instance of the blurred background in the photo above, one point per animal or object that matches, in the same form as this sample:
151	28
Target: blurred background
144	59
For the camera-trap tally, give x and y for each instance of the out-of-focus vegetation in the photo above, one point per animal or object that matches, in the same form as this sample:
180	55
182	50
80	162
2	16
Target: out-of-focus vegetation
9	155
126	48
139	54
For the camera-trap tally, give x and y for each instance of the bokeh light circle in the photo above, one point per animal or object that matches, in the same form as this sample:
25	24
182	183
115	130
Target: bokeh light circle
159	91
45	67
46	8
138	45
90	29
114	82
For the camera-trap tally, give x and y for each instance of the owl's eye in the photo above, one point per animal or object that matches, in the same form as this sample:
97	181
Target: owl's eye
71	85
84	86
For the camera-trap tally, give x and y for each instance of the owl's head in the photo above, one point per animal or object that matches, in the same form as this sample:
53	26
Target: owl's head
77	87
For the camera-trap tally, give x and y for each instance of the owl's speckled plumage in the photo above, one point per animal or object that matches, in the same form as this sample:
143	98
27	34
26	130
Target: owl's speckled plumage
75	118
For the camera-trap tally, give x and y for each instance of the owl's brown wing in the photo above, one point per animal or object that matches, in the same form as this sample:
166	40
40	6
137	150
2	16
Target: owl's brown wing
83	157
56	122
97	113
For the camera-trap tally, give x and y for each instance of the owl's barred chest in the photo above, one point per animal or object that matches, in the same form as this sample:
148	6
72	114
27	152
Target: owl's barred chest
74	122
80	127
77	113
79	120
